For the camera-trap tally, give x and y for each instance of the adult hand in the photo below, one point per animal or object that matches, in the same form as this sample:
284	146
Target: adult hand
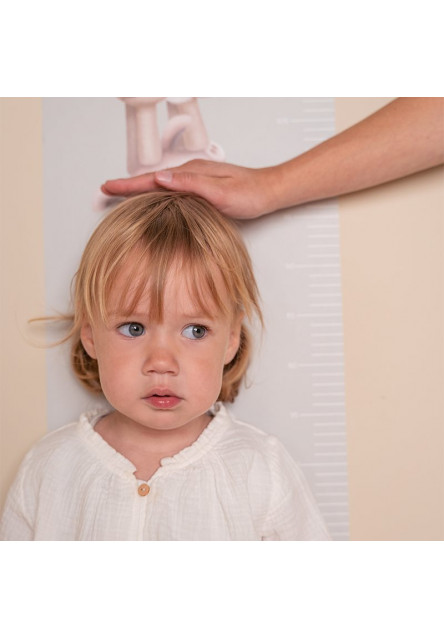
238	192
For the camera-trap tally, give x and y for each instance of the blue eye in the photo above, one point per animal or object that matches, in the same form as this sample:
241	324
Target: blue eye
195	332
132	329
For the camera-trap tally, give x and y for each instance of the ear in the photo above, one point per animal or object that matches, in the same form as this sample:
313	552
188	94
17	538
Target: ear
87	338
234	339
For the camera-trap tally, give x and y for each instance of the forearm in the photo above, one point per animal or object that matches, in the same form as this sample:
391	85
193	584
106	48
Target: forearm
402	138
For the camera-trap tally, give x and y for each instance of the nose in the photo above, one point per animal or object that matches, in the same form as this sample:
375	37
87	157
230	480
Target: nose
160	358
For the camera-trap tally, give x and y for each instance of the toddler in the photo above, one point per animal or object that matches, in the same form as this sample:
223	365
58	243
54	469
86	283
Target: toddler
162	297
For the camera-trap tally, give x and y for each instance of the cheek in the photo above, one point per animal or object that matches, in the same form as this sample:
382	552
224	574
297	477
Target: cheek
114	371
207	372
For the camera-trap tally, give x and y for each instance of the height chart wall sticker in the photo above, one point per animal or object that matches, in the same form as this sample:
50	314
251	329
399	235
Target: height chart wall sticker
296	388
184	137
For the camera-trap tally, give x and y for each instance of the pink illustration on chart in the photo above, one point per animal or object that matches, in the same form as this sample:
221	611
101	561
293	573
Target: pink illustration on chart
184	138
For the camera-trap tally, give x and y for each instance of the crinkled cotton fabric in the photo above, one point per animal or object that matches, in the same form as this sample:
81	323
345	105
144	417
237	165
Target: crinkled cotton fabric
234	482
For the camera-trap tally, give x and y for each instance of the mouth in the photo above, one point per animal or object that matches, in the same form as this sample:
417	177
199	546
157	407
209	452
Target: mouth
162	399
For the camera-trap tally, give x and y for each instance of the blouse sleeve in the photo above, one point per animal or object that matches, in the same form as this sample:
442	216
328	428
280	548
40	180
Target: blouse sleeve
293	513
16	523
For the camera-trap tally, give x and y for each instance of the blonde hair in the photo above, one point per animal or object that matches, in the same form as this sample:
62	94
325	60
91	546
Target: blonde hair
160	228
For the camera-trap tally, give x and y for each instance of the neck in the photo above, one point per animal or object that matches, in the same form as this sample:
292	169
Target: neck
129	437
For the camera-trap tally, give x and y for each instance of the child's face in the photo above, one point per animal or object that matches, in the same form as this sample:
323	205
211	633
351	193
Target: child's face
162	375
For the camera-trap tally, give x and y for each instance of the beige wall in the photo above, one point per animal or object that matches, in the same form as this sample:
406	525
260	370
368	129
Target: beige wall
392	252
22	383
391	246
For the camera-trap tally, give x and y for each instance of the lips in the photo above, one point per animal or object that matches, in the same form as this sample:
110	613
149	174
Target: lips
162	399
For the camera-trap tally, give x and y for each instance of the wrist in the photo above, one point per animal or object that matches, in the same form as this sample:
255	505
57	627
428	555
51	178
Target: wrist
268	190
279	187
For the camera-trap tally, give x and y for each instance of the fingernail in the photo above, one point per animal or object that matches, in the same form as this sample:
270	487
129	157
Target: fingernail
164	176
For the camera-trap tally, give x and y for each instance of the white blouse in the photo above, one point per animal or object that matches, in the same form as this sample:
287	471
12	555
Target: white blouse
233	483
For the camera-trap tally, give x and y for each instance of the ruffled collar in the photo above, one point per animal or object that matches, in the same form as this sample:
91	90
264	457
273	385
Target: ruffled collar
124	467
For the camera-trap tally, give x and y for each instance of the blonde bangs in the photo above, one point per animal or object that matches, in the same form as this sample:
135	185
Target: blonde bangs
183	235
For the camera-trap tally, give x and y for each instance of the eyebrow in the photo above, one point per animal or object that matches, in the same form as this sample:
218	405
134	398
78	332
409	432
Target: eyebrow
189	314
199	315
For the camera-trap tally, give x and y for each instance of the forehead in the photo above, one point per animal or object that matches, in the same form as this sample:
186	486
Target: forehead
183	286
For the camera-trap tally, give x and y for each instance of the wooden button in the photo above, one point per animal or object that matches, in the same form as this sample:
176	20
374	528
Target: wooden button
143	490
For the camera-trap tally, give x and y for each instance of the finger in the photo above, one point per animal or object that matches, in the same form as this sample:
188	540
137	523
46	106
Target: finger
201	167
206	186
129	186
